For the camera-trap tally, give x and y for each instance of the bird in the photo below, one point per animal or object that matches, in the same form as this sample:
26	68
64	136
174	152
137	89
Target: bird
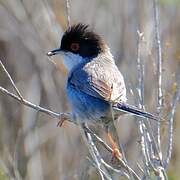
95	86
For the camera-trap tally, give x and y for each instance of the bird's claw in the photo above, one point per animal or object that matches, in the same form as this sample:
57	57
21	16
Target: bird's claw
116	155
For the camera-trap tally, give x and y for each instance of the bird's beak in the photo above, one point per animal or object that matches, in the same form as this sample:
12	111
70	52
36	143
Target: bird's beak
57	63
54	52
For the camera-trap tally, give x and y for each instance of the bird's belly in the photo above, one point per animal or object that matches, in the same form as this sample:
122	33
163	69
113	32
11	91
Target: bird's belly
85	107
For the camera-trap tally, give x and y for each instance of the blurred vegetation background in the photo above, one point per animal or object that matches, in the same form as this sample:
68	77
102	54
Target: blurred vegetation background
31	146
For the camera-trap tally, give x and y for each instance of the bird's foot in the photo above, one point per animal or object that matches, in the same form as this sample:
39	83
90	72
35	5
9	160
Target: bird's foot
62	118
116	154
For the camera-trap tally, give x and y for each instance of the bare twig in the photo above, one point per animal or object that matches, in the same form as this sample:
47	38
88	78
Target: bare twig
161	169
140	70
20	99
68	12
140	88
147	137
176	98
36	107
95	154
107	147
121	173
12	82
101	171
159	65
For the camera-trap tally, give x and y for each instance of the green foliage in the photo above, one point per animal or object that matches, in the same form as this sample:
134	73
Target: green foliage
172	176
3	175
170	2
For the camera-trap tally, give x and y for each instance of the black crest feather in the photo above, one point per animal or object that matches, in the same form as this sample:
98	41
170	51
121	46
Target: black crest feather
90	43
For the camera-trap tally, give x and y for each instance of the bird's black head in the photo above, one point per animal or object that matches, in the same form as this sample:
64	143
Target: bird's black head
79	39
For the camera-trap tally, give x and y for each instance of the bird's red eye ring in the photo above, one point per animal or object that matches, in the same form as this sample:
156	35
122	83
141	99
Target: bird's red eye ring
75	46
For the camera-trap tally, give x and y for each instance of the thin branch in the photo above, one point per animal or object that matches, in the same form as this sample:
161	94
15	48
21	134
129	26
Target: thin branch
20	99
95	154
159	65
36	107
176	98
140	88
101	171
161	169
147	138
121	173
107	147
12	82
68	13
140	70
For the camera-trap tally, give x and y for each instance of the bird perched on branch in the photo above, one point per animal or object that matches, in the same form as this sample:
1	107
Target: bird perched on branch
95	86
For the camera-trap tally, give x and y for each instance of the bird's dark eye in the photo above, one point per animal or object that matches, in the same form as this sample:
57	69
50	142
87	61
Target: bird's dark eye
74	46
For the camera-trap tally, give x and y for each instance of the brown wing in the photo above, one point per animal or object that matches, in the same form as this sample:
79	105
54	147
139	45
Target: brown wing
99	78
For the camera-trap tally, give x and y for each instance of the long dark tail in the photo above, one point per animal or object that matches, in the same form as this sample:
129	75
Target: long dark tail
135	111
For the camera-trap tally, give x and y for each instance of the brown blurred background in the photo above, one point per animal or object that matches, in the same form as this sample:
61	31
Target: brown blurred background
31	146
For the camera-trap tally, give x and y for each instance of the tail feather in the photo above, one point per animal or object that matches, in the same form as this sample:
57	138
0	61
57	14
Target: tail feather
135	111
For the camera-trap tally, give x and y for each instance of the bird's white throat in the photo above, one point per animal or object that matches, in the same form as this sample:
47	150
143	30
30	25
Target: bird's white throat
71	60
